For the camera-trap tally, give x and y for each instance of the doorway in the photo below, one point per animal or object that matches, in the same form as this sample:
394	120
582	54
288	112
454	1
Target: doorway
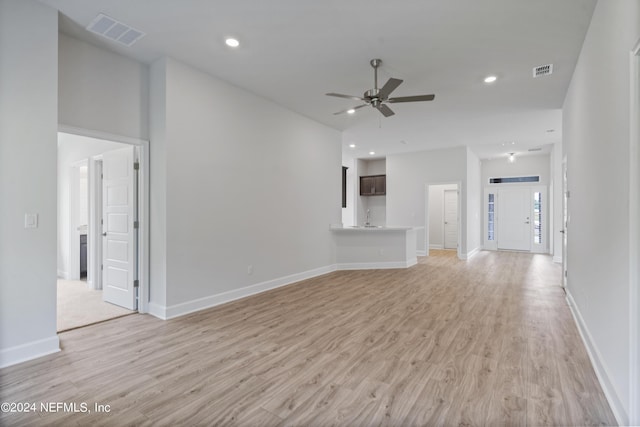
516	218
451	219
443	217
98	210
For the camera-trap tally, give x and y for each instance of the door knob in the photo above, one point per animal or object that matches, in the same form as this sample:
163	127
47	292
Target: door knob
104	234
526	222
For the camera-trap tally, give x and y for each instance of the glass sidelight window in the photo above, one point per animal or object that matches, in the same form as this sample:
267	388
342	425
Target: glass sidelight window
491	217
537	217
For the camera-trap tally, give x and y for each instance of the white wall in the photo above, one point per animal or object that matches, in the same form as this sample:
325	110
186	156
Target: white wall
28	127
72	148
436	214
523	166
408	174
556	195
474	203
158	184
247	183
102	91
596	143
348	213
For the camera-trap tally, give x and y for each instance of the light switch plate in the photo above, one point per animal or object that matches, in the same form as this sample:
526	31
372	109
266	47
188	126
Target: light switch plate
31	220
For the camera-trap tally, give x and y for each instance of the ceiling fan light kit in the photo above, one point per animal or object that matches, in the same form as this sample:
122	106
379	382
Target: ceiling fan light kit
378	97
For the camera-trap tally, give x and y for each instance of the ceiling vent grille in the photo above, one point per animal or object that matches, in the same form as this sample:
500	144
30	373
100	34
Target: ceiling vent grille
542	70
534	149
114	30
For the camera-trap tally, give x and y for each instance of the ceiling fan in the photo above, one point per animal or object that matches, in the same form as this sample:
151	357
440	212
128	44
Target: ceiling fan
378	98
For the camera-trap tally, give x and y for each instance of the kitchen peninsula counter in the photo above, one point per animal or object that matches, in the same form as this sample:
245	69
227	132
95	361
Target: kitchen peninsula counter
373	247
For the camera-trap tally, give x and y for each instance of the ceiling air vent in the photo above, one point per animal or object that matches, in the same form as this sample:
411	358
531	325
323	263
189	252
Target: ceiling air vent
114	30
542	70
534	149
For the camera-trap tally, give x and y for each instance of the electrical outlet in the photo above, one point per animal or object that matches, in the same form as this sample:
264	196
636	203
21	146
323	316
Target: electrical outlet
250	269
31	220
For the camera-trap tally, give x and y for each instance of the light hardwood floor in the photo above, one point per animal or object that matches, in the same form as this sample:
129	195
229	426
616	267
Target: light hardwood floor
489	341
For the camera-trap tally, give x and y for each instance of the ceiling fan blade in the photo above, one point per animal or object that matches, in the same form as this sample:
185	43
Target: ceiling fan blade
386	111
412	98
352	108
339	95
389	87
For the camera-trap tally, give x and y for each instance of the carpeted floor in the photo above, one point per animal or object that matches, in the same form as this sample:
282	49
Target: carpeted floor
80	306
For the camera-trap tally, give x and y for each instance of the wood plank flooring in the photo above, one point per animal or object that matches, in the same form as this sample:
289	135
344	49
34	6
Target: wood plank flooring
486	342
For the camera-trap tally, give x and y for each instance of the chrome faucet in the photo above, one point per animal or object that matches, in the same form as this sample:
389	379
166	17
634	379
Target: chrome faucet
366	224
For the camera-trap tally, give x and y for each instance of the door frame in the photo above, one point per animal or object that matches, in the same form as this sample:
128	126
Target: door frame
95	226
565	221
73	264
634	233
143	203
426	215
547	212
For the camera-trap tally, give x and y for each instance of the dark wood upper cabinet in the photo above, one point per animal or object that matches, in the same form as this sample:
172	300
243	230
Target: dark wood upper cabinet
373	185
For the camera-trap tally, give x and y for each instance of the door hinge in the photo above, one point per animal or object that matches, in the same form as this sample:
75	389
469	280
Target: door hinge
136	224
136	283
101	221
136	166
101	267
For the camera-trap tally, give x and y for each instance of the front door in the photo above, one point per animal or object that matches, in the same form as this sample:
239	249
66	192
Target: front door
119	235
450	219
514	222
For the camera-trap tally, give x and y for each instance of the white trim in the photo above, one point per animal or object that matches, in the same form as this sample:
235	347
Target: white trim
557	259
62	275
181	309
436	246
101	135
634	236
421	253
31	350
377	265
73	237
94	238
143	207
598	363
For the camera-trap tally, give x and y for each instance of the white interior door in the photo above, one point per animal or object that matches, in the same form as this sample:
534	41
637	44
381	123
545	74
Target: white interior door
450	219
514	219
119	240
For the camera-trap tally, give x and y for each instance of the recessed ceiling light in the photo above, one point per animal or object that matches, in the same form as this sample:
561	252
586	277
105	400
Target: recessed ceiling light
352	145
231	42
371	153
490	79
351	111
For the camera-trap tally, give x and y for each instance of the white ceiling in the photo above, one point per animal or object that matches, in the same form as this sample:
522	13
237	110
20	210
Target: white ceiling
294	51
